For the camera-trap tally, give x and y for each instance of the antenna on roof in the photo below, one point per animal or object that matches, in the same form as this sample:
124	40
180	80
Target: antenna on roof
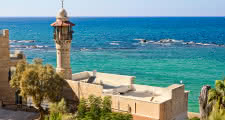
62	3
181	82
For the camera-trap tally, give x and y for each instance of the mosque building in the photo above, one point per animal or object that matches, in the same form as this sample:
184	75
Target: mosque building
142	101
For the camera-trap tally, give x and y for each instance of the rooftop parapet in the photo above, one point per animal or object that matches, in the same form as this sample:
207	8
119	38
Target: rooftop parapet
121	85
108	80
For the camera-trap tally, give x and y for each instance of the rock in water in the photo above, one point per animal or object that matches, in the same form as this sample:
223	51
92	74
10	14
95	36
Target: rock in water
204	107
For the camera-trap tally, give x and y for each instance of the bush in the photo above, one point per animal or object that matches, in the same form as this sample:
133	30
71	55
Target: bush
97	109
59	111
217	114
195	118
59	107
55	116
82	109
121	116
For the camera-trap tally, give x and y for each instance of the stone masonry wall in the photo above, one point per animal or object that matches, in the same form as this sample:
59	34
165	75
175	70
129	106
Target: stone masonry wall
77	90
6	93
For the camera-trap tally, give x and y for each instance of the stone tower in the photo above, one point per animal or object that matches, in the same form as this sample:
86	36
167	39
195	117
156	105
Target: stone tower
7	61
63	35
4	65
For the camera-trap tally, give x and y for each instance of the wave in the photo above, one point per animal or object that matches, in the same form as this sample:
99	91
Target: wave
22	41
139	39
84	49
114	43
176	42
29	46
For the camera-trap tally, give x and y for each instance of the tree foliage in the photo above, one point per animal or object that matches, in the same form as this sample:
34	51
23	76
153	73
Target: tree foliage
97	109
216	96
217	114
58	107
59	111
38	81
82	109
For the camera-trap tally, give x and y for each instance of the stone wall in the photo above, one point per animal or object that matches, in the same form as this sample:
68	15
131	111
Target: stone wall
172	109
135	107
177	107
6	93
81	90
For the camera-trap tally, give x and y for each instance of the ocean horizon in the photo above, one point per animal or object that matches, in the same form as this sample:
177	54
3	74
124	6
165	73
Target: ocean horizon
115	17
190	50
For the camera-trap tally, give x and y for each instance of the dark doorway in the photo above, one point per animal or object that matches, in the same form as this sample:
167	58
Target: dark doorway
18	98
9	76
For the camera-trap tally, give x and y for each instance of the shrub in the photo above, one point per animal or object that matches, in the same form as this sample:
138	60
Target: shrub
97	109
59	107
195	118
121	116
82	109
59	111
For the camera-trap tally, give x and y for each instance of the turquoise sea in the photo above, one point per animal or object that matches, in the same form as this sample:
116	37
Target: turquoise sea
195	54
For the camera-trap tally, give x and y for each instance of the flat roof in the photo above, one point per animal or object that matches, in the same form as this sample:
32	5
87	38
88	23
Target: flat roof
122	86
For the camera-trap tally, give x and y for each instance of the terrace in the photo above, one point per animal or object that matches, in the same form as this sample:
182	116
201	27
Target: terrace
120	85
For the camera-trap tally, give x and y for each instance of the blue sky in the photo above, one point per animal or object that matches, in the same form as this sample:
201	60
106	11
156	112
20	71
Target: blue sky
114	7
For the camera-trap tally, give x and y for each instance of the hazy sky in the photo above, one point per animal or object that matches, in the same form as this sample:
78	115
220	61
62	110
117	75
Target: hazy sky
114	7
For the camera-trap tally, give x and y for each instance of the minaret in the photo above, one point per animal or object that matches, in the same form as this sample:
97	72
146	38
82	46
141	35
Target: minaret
63	35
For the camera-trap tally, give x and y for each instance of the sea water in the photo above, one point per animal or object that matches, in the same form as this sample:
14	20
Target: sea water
193	55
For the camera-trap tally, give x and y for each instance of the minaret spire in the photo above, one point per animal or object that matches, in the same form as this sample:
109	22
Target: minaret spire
63	36
62	3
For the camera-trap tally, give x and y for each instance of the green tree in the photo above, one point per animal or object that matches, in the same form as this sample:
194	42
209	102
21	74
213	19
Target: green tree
59	111
95	107
106	108
82	109
217	114
38	81
106	105
59	108
216	96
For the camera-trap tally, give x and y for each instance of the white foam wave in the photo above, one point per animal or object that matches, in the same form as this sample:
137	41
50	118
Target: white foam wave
84	49
29	46
114	43
22	41
168	42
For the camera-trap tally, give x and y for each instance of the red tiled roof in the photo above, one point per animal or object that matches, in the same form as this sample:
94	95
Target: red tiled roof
62	23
